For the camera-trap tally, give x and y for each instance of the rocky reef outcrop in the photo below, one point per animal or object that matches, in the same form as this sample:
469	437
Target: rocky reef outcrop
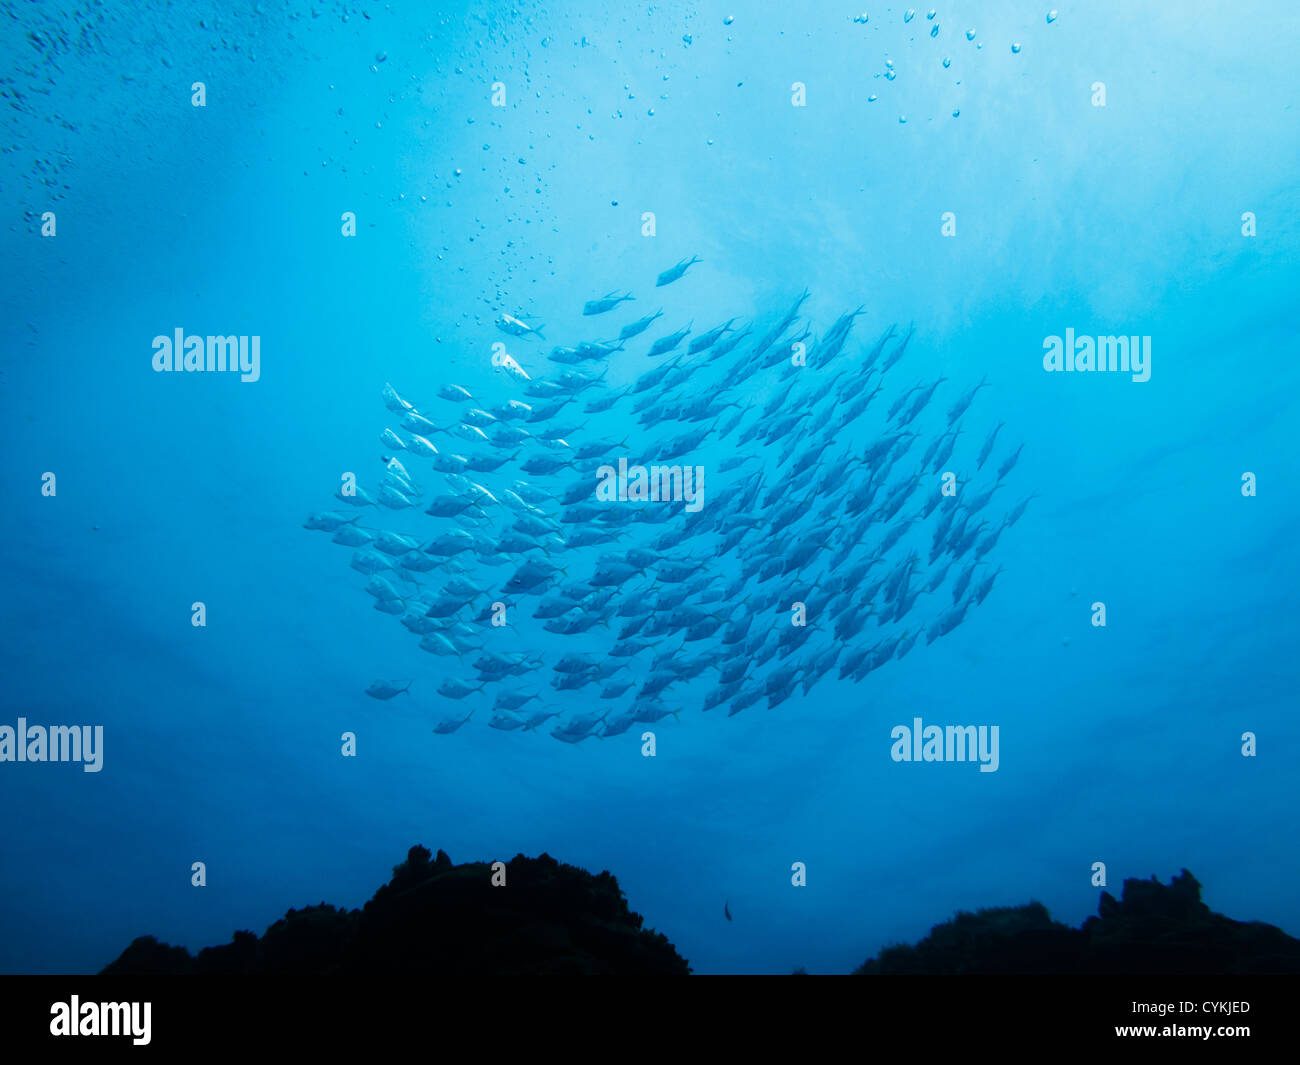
438	918
1153	928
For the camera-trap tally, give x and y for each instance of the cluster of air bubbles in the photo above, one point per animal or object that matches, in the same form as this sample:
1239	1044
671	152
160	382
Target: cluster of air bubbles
908	15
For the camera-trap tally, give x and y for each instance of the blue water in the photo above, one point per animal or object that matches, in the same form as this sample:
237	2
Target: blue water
1120	744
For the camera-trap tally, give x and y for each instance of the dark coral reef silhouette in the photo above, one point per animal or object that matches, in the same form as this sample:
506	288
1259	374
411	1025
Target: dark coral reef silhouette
1154	928
438	918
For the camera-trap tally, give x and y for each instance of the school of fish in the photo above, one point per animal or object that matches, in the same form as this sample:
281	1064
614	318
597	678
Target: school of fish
827	544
